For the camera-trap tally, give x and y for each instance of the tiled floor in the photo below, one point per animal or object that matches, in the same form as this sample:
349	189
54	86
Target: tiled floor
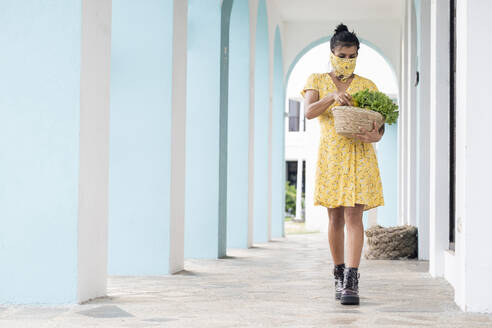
283	283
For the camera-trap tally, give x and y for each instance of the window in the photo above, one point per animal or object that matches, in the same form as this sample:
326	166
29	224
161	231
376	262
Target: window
303	176
291	173
294	115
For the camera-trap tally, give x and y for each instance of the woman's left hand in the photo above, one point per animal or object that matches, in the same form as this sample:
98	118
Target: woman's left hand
369	136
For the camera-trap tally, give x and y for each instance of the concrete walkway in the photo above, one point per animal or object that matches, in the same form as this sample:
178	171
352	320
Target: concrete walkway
283	283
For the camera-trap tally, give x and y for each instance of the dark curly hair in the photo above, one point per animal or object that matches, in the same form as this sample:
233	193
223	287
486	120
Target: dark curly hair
343	37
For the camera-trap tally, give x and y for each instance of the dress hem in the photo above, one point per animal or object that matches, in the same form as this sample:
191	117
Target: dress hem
366	206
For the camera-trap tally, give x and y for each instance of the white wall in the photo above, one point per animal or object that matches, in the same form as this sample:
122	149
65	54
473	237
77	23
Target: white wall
383	34
468	267
473	174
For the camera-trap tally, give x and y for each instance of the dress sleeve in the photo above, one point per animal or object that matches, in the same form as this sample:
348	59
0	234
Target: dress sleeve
372	86
311	83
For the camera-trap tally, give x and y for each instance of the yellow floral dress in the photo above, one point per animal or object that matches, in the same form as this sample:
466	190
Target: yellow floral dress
347	171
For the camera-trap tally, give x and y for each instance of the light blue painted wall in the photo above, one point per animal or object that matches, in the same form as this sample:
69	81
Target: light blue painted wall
388	167
140	136
387	153
261	127
202	129
238	126
278	136
39	150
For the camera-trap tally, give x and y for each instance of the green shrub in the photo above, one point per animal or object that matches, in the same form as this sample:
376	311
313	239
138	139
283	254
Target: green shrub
290	198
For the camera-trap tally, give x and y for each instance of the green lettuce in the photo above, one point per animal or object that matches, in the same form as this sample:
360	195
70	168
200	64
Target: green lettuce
378	102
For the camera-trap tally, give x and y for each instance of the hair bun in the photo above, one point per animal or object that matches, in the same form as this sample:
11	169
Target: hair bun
341	28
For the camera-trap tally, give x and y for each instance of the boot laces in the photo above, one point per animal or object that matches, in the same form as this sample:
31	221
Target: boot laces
352	280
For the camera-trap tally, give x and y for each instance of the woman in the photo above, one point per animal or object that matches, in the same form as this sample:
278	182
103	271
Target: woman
347	174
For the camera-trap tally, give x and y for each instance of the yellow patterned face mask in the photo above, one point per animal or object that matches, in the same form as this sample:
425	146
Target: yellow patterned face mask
343	67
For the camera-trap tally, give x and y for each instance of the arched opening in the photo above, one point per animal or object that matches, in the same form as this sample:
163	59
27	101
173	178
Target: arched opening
302	136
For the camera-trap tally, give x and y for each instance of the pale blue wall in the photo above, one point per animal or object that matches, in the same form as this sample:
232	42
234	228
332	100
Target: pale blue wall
278	136
238	126
261	127
202	129
140	136
388	167
39	149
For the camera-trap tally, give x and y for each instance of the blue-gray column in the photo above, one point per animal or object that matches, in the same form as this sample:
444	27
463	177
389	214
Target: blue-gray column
206	129
261	128
278	137
238	126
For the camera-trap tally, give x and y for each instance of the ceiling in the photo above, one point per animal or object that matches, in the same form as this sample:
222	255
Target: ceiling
324	10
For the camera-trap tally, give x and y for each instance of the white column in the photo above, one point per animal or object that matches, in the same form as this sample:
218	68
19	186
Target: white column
439	136
402	134
424	131
407	121
411	123
464	92
178	134
299	190
94	149
253	7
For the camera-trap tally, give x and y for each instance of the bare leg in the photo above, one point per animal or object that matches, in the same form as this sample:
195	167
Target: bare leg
355	234
336	234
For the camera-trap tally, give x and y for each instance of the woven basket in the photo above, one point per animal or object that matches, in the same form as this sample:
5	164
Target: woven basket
349	119
391	243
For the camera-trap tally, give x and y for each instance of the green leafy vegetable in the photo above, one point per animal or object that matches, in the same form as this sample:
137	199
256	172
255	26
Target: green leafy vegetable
378	102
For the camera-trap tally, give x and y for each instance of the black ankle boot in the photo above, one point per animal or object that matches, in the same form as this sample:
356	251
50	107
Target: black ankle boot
350	290
338	273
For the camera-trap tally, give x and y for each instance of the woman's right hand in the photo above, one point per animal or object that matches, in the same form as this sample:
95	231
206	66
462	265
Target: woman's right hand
343	98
